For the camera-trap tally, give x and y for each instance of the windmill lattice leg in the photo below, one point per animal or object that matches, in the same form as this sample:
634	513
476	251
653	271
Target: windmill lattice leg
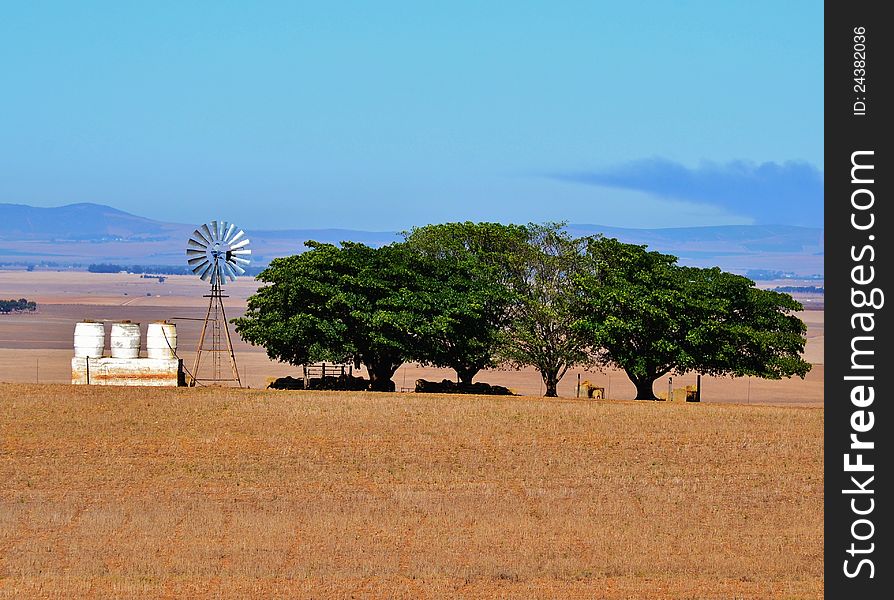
215	313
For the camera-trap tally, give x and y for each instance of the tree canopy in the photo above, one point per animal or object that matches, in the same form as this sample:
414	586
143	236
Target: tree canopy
541	331
468	263
649	316
351	303
20	305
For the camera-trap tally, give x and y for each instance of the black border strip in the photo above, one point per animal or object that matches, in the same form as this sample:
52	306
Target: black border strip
858	272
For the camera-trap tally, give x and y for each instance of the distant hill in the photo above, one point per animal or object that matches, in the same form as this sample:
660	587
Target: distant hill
92	233
85	221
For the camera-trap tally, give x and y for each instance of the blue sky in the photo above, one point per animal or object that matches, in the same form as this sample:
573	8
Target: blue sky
383	115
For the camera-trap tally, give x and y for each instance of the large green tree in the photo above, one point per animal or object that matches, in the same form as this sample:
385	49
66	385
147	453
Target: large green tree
467	267
541	331
649	316
351	303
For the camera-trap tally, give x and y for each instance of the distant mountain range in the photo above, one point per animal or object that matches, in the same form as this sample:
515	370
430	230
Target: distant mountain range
90	233
76	222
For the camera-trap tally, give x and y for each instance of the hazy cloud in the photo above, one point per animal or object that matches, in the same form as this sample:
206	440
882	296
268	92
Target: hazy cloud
771	193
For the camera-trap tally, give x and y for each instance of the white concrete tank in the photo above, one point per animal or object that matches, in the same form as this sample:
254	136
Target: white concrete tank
89	339
161	340
125	340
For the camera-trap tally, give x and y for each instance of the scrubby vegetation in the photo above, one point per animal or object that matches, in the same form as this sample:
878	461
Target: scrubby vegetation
153	269
800	289
17	306
769	274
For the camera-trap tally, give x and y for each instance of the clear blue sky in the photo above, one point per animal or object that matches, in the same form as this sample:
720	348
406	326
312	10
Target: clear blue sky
382	115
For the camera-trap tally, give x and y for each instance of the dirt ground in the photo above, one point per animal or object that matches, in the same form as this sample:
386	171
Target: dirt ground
208	493
37	348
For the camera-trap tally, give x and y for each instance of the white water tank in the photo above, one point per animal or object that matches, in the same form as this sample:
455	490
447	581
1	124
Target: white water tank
125	340
89	339
161	340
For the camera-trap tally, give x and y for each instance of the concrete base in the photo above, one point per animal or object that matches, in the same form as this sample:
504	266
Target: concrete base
127	371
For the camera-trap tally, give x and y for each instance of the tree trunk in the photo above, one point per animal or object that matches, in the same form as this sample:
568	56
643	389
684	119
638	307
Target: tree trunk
644	388
551	380
466	374
380	375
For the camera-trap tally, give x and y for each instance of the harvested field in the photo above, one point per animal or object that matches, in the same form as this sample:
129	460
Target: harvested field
117	492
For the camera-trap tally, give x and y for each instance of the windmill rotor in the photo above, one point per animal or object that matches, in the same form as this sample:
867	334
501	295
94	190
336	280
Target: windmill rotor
218	251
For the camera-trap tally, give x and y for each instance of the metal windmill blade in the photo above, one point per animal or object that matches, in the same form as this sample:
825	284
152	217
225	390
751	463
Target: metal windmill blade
217	251
197	253
238	253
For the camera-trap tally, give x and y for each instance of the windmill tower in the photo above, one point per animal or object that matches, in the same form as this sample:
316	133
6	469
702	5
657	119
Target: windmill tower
215	252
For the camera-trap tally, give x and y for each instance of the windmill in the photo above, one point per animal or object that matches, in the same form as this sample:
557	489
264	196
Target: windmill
217	251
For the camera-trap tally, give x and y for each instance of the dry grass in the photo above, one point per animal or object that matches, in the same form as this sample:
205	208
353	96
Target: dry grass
206	493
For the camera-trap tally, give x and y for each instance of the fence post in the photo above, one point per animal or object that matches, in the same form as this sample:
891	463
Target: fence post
578	385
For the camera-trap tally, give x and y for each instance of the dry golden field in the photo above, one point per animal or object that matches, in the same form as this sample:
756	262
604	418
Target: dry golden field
120	492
